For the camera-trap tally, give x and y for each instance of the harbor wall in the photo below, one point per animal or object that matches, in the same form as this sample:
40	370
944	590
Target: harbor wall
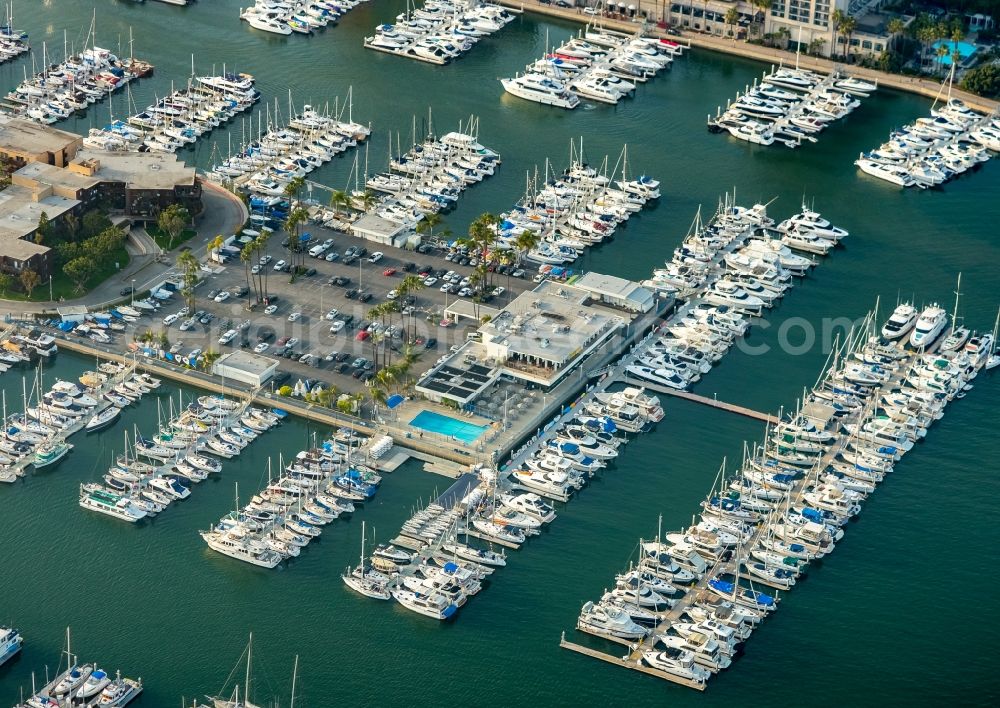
913	84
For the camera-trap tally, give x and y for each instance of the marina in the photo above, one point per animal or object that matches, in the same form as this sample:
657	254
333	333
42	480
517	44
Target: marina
598	65
181	118
693	597
904	244
790	105
931	151
440	31
56	92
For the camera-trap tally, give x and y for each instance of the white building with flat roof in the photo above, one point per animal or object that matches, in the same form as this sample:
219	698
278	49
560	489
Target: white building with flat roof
245	367
539	337
617	292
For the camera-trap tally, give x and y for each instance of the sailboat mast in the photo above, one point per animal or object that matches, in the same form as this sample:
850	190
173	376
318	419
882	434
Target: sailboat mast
246	684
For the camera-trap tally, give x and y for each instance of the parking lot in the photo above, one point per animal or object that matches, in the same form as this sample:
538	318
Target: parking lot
300	311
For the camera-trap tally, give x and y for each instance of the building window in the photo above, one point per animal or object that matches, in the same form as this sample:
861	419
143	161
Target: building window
878	47
866	44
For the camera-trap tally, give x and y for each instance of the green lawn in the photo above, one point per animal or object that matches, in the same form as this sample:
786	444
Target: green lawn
63	287
163	240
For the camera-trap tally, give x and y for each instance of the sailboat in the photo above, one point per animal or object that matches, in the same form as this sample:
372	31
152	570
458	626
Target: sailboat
360	580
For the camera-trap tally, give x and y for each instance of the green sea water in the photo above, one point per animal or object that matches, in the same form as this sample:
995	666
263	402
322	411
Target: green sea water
902	612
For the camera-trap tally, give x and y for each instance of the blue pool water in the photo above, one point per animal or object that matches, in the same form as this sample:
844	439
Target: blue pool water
446	425
965	50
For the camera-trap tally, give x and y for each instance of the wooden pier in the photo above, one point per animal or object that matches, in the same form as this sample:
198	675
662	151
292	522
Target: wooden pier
629	662
704	400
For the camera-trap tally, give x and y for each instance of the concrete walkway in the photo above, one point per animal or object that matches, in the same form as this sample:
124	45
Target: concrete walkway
913	84
224	213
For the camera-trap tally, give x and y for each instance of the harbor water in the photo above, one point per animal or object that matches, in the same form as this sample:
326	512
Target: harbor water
890	617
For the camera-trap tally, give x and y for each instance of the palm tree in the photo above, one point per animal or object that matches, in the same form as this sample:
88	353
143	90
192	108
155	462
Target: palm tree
189	266
427	224
293	225
339	200
526	241
411	285
508	258
246	258
369	199
941	52
214	245
848	27
294	188
764	5
837	18
895	27
732	17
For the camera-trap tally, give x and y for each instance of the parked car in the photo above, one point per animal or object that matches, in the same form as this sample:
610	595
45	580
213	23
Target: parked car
362	335
365	297
228	336
280	265
332	256
270	309
222	297
351	294
375	257
389	272
261	348
294	316
170	319
125	292
337	326
212	294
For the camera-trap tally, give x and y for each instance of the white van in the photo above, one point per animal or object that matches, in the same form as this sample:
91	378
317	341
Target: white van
315	251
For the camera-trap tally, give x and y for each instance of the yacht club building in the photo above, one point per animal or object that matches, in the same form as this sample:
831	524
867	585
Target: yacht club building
539	338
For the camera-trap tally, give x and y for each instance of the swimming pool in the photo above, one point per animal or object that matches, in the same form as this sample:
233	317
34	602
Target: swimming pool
965	50
446	425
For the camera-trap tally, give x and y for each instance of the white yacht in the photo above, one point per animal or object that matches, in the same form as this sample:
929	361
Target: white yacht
608	620
435	606
540	89
236	543
97	498
900	322
929	326
676	662
10	643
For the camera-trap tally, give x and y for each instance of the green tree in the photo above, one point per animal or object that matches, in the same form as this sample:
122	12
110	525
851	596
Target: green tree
94	222
44	229
172	221
80	270
71	222
285	391
983	80
5	283
29	281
